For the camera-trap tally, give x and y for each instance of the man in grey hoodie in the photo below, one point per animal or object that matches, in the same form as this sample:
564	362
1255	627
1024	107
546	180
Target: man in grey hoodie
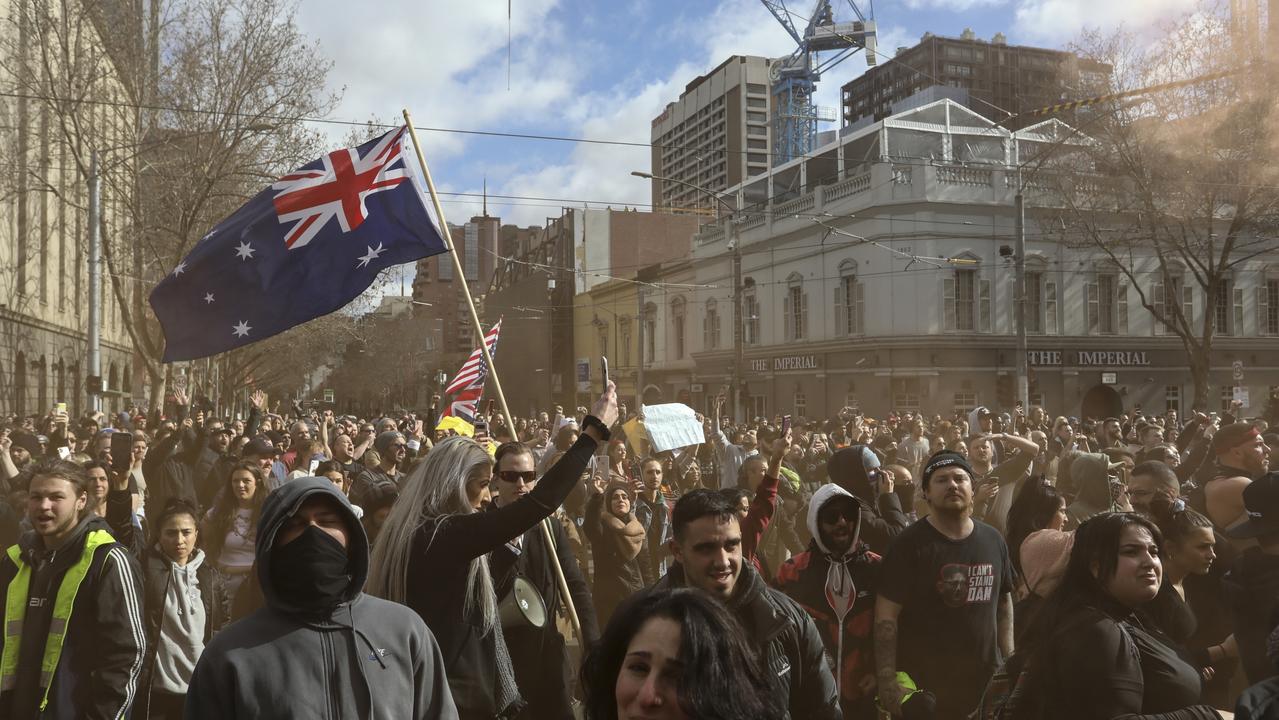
320	648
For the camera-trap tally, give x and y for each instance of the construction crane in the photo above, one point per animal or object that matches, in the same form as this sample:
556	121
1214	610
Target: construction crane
795	76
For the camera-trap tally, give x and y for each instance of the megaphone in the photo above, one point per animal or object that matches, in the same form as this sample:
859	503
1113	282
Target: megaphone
522	606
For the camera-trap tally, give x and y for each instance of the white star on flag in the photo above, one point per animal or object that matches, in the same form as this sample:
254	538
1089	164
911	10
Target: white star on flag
244	251
181	268
370	256
242	329
208	298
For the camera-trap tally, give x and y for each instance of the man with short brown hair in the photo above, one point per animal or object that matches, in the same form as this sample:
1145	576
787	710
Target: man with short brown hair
73	604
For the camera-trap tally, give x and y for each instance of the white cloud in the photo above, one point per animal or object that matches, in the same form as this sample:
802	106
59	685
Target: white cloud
1057	22
602	172
449	68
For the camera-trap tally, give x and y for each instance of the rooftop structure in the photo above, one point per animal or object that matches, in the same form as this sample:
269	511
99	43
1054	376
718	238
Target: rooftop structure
992	78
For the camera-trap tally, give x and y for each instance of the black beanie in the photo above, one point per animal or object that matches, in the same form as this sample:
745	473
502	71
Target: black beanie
943	459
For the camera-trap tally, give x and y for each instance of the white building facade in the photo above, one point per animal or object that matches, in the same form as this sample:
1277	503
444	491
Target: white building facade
879	273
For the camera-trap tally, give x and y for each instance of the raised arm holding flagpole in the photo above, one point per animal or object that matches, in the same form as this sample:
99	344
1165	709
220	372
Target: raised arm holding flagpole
488	360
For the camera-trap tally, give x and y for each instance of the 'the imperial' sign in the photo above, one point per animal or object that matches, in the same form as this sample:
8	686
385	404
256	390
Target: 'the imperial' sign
781	363
1089	358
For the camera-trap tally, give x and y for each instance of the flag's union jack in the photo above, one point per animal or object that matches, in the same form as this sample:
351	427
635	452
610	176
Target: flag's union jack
336	189
465	405
278	261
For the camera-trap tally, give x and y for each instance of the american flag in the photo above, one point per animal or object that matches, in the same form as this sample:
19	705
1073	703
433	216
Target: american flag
469	382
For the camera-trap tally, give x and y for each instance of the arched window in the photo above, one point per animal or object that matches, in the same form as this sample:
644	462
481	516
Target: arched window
20	399
60	381
750	313
650	332
113	378
795	308
624	340
76	389
710	326
1106	302
601	333
848	301
1267	300
42	385
677	327
126	382
1041	297
966	297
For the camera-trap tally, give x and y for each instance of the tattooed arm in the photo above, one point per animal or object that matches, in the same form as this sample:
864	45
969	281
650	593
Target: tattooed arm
890	691
1006	625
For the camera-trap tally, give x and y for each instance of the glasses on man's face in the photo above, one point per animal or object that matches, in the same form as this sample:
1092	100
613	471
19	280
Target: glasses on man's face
830	516
399	446
514	476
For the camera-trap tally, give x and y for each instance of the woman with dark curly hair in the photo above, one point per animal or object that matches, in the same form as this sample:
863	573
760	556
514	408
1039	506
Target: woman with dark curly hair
676	654
1088	653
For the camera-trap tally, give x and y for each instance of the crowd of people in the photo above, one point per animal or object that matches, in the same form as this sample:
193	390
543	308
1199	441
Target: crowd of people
304	564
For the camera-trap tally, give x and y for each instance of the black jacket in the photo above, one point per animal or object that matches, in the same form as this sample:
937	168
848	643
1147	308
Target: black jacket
1259	702
167	475
441	556
1252	587
213	594
1102	663
787	641
203	462
156	577
538	655
97	674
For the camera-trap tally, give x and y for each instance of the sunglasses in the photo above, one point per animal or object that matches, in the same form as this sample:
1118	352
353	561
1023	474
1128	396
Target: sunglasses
510	476
830	516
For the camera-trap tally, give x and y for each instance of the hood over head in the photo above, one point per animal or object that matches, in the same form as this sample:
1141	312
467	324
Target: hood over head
847	468
1090	473
280	505
974	419
825	494
1044	556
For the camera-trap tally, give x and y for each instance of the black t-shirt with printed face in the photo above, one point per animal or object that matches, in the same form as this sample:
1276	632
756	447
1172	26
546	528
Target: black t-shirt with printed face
949	591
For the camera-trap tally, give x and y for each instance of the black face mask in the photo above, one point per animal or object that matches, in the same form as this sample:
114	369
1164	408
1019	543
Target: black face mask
311	572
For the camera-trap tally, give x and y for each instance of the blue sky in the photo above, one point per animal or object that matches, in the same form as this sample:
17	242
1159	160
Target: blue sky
604	70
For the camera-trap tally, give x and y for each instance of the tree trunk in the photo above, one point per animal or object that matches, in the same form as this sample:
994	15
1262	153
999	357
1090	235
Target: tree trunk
1199	364
159	377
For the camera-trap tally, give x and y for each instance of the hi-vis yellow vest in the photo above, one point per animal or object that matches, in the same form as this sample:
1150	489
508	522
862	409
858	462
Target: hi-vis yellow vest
15	611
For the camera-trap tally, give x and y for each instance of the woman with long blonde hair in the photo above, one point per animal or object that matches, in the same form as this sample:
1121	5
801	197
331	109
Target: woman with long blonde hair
432	555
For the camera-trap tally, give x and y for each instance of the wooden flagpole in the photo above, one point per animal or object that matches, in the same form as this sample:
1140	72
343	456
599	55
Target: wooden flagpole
492	369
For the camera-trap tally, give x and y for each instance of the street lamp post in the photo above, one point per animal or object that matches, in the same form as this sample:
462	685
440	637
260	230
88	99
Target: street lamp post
738	328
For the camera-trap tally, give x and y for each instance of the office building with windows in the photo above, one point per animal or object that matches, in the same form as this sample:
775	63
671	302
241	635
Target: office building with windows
993	79
879	273
44	253
717	134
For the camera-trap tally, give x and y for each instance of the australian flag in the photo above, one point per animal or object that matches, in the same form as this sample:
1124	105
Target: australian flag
302	248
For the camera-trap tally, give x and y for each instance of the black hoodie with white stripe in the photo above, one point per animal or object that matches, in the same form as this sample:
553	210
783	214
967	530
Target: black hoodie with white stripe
97	673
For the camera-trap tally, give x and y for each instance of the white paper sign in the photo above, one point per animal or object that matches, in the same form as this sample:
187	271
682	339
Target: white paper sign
1241	396
672	425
